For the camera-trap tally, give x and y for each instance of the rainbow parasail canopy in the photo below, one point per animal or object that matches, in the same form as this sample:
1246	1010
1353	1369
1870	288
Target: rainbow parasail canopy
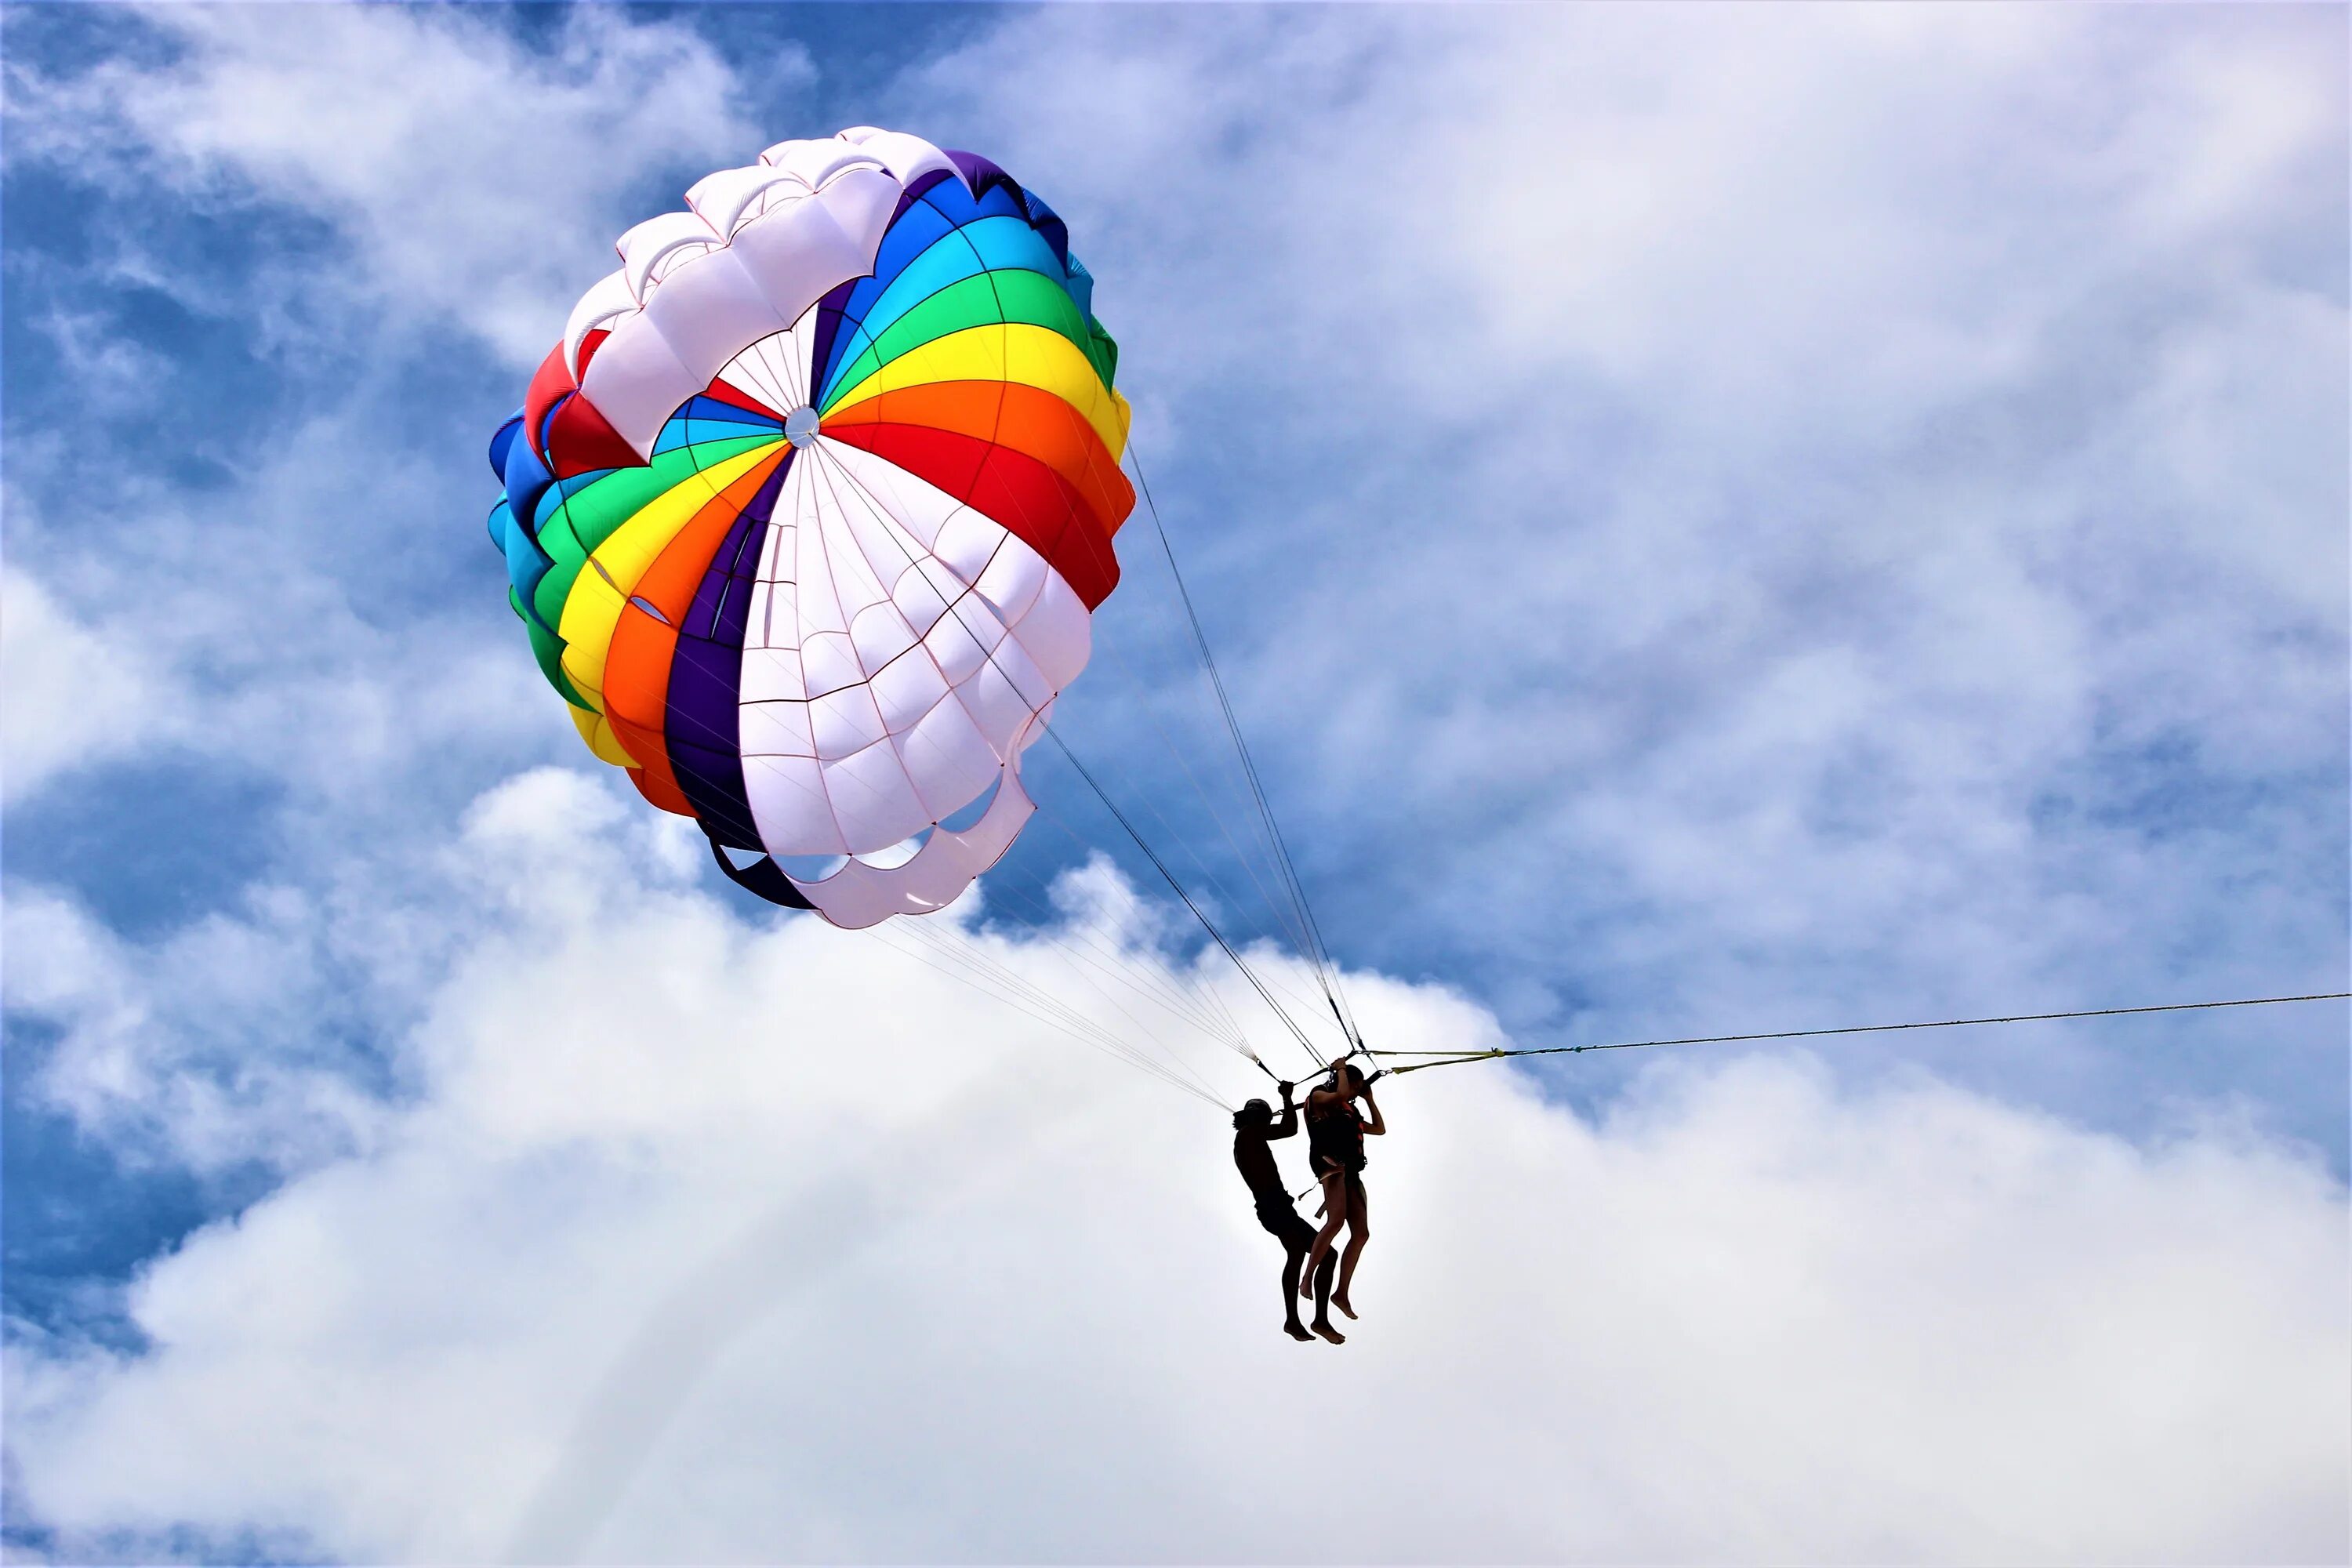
807	514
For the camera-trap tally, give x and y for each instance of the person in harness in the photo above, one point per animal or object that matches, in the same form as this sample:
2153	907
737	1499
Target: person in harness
1335	1150
1254	1130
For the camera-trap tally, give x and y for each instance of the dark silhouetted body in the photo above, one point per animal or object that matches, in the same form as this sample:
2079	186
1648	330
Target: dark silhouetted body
1254	1130
1334	1144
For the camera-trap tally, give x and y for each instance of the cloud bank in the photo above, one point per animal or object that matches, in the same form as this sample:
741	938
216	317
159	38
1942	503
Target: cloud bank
713	1242
1714	517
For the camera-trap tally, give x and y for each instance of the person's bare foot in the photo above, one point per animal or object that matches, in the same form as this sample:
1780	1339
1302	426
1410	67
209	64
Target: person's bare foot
1323	1326
1292	1329
1339	1300
1306	1284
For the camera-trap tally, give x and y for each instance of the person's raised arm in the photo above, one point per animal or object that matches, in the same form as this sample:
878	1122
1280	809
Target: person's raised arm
1375	1127
1289	1122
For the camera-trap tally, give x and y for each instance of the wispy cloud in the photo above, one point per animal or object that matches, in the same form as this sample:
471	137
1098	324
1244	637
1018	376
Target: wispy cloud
73	697
466	175
1771	513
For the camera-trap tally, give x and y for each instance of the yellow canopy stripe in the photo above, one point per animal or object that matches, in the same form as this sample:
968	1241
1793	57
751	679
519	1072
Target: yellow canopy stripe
1034	356
598	595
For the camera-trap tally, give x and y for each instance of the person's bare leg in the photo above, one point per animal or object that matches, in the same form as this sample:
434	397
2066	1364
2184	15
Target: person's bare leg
1290	1263
1323	1300
1335	1215
1360	1231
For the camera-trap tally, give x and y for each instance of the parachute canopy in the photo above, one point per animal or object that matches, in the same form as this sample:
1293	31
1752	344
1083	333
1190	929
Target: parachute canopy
807	513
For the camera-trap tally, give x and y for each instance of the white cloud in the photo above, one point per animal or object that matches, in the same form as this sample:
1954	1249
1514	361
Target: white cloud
291	623
1713	481
1774	224
472	178
111	372
69	694
210	1050
1727	599
705	1241
1794	497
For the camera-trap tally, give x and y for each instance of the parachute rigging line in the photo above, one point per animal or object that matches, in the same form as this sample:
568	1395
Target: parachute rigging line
1319	952
1287	921
1233	902
828	468
1347	1032
1123	969
1207	924
1231	1028
1456	1058
1046	810
967	948
1316	952
1062	1018
956	609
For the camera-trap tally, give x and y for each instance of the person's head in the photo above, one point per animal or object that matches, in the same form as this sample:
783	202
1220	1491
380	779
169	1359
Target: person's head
1253	1115
1351	1079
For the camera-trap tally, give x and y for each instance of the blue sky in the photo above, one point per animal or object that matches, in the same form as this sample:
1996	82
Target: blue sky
1714	521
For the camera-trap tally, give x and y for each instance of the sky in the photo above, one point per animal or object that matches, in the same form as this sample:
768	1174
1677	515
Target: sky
1714	521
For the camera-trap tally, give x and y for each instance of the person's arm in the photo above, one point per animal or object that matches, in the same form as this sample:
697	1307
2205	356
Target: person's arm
1375	1127
1289	1122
